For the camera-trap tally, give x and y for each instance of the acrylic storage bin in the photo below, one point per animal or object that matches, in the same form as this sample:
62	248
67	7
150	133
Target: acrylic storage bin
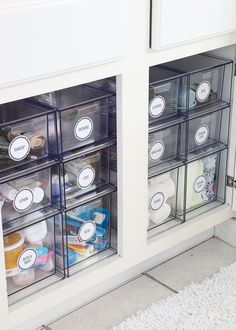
108	85
37	192
88	233
206	132
31	257
82	115
209	82
164	88
205	184
26	132
163	195
84	174
163	147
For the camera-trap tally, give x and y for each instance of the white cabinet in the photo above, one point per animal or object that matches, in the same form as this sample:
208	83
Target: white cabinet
47	38
48	45
183	21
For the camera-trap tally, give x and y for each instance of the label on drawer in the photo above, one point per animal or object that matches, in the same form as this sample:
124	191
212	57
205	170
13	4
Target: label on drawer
83	128
157	201
201	134
19	148
203	91
199	184
86	177
87	230
157	106
157	151
27	259
23	200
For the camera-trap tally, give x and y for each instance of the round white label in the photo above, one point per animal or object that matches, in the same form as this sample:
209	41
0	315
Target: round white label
19	148
23	200
199	184
203	91
86	177
157	151
157	201
83	128
157	106
87	230
201	134
27	259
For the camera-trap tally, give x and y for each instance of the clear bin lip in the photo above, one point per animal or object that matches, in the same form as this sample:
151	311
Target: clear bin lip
209	151
87	149
207	109
165	123
96	93
90	196
35	220
223	61
28	171
172	75
27	103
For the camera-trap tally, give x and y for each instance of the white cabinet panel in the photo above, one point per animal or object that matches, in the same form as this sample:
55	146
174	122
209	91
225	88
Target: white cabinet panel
44	39
182	21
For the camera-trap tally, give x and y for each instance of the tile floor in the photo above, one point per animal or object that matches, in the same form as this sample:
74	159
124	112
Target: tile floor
156	284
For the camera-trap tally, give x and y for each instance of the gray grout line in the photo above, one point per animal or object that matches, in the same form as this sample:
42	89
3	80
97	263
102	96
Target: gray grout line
179	254
220	239
90	301
159	282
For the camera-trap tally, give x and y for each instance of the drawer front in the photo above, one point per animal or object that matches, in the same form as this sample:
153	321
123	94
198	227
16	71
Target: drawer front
43	39
190	20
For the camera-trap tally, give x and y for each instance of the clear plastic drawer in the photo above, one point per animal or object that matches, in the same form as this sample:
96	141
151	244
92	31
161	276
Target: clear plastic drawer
37	192
82	115
206	132
209	82
205	184
31	260
26	132
88	233
163	147
84	174
163	200
164	88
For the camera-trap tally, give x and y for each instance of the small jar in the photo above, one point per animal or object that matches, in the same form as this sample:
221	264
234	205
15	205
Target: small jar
36	233
13	246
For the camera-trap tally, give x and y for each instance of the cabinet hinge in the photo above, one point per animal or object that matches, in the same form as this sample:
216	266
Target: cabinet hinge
231	182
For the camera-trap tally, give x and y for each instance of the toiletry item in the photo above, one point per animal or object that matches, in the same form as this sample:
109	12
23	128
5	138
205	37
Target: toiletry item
24	278
184	93
7	192
38	195
13	247
85	251
35	233
42	255
55	186
74	240
159	216
167	188
37	141
50	265
210	166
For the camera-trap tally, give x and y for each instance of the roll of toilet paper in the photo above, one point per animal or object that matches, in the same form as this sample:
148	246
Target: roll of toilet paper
160	215
166	188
